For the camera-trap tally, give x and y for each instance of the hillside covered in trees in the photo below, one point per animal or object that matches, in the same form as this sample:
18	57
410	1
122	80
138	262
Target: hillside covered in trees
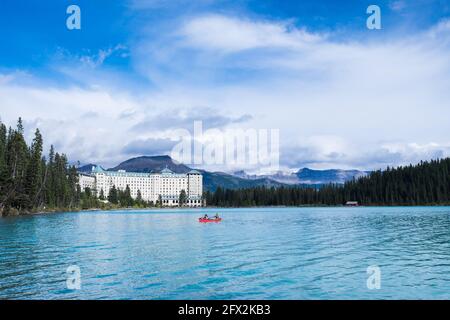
427	183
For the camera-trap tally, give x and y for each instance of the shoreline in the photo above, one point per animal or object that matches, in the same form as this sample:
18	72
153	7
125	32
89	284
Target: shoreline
38	213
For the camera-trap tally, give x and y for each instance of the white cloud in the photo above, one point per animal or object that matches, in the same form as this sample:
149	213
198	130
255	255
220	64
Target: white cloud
441	31
219	32
365	104
100	57
165	4
78	122
324	152
99	125
397	5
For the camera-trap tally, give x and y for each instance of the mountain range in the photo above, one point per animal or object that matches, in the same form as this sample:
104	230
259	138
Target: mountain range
308	176
239	179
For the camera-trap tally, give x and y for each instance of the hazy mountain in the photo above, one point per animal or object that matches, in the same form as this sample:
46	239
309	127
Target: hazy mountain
86	168
151	164
212	180
280	177
307	176
310	176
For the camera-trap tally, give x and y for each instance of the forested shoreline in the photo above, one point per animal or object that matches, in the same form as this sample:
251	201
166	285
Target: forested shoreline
427	183
33	182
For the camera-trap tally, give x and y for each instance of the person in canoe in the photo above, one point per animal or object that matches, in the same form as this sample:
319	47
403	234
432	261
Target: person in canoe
205	216
216	216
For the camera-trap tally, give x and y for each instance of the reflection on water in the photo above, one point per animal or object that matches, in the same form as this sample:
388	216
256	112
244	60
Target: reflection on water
269	253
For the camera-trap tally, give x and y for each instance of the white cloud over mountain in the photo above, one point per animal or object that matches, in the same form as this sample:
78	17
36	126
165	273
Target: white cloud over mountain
354	102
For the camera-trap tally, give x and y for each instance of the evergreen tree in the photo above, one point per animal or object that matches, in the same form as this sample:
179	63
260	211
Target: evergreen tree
127	199
17	157
2	149
88	199
20	126
139	201
102	195
78	195
159	201
61	183
5	181
33	179
72	183
182	198
113	196
50	179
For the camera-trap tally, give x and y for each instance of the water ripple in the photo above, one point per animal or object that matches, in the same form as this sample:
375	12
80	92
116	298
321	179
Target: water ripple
263	253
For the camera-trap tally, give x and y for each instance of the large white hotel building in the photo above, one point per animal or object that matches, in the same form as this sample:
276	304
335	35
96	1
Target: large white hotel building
165	185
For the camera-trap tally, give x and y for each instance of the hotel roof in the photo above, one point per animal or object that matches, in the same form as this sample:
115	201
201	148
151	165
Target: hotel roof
166	172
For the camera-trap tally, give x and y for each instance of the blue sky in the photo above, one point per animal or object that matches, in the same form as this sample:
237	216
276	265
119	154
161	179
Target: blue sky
33	30
341	95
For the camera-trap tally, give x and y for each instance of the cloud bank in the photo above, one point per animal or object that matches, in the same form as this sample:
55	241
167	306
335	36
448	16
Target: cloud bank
351	103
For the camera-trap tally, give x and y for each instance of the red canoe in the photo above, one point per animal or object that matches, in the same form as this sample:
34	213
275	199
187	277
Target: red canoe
209	220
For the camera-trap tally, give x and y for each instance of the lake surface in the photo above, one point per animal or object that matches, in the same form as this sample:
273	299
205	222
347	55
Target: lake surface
258	253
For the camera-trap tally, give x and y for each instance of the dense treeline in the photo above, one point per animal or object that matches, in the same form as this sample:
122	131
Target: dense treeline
123	198
427	183
28	180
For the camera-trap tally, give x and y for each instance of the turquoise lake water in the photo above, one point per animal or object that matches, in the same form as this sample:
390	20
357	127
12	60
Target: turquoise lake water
258	253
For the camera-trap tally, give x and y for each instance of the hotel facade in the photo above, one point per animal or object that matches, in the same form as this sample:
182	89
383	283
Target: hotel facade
165	186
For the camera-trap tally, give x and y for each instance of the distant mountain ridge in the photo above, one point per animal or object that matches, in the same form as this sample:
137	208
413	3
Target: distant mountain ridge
328	176
151	164
308	176
87	168
237	180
